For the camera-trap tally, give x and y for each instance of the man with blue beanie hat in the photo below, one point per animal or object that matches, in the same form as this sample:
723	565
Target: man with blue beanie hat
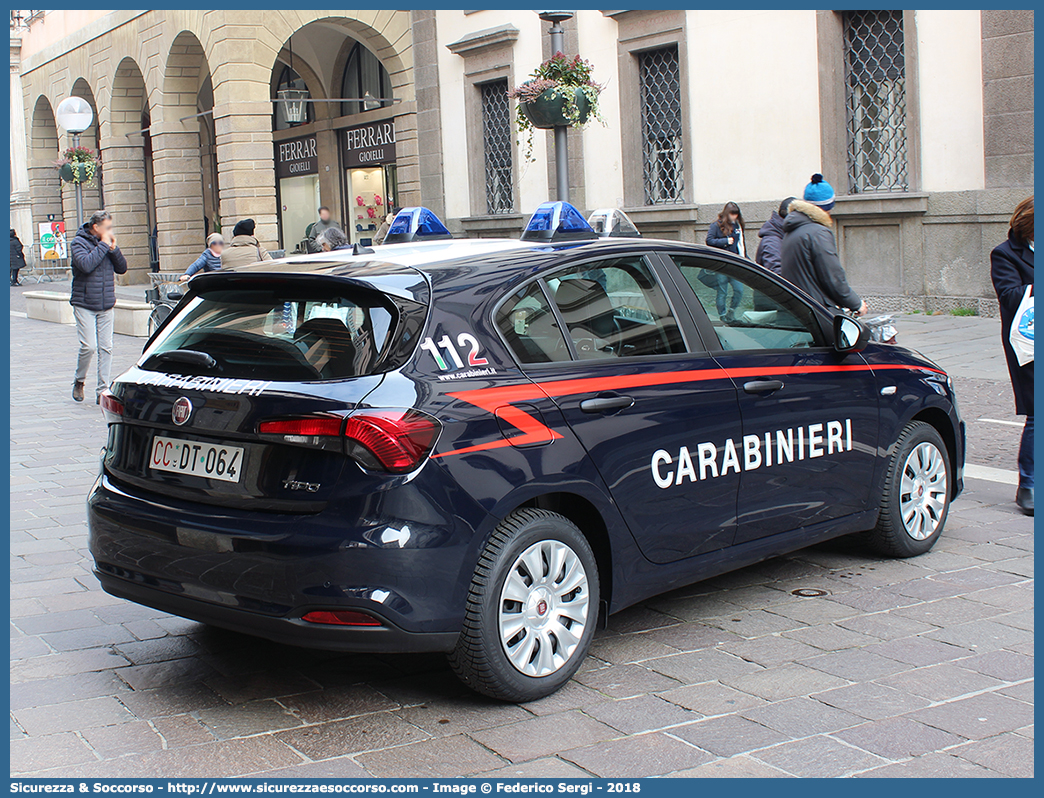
809	252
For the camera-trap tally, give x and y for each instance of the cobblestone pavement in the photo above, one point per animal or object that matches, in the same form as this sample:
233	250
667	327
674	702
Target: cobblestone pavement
904	668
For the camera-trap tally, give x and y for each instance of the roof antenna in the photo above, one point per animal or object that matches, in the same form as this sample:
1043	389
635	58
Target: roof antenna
359	249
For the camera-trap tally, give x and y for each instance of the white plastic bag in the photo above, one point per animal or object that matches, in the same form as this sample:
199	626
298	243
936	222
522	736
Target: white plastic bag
1021	335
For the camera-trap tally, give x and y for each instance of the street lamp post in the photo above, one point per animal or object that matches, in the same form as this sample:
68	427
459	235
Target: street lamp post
74	115
556	18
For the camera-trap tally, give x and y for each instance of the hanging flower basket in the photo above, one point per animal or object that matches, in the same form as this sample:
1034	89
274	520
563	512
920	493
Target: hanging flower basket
548	110
559	93
78	165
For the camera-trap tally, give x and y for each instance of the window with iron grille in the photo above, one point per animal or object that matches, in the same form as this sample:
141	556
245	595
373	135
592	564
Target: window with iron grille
875	99
659	82
496	146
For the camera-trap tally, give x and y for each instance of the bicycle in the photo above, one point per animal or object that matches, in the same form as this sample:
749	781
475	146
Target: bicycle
164	296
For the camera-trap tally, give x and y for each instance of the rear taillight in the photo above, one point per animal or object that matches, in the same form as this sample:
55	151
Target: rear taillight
111	407
341	618
390	440
380	440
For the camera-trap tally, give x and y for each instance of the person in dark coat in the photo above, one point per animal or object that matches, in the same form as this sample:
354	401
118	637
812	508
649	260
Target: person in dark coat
96	259
17	257
809	253
1011	269
770	239
726	232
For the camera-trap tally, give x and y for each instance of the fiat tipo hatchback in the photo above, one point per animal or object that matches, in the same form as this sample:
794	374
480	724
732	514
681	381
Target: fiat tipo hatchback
486	447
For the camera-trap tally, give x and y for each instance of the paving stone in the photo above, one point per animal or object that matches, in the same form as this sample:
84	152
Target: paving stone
1023	691
91	637
338	768
918	651
734	767
1005	665
701	666
830	637
72	716
623	649
897	738
635	757
818	757
940	682
543	736
977	717
871	700
1006	754
756	623
444	757
786	681
983	635
572	695
65	664
224	758
242	720
815	611
173	699
728	735
772	650
948	612
544	768
179	731
136	737
934	765
447	716
693	636
711	698
365	733
800	717
40	753
641	714
855	664
886	625
622	681
321	706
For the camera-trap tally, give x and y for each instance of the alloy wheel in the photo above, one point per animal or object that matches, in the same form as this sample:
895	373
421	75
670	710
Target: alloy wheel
923	491
544	608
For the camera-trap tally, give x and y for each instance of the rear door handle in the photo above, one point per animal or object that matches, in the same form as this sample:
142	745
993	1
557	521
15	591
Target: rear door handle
603	404
762	386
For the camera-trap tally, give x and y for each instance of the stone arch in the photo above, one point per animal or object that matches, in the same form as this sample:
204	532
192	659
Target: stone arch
45	187
128	168
178	159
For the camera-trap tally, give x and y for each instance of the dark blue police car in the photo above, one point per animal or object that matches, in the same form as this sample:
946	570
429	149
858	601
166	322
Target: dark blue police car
485	447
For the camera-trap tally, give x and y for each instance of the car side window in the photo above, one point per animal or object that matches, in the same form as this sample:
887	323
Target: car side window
615	309
529	326
748	310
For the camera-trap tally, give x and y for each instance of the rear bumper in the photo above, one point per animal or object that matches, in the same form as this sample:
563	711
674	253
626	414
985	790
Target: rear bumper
259	573
290	631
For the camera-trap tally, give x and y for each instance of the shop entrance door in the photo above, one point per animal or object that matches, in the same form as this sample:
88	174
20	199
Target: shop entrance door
367	203
298	200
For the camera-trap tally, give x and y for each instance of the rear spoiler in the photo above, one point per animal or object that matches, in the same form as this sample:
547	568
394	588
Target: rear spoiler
401	282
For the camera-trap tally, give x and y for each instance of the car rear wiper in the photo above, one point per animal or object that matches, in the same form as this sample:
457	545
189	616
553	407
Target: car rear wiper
188	356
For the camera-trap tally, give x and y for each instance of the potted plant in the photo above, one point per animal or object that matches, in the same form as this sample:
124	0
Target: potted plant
559	92
78	165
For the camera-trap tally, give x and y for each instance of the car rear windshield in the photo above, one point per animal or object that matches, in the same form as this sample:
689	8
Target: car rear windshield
287	332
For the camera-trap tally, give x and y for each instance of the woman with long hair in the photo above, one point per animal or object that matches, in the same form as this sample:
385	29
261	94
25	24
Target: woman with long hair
726	232
1011	268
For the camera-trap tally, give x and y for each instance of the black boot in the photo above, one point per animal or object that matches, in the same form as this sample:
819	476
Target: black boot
1024	500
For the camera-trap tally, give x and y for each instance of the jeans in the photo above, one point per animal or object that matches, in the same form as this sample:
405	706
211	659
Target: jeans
94	329
723	292
1026	455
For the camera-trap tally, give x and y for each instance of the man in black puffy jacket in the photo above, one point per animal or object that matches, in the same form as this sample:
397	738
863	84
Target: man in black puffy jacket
771	239
809	252
95	260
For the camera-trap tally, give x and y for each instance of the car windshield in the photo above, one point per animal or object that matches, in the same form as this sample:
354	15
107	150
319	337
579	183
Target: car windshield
282	334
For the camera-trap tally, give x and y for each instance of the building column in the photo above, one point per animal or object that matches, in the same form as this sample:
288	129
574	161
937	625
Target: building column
245	154
179	189
21	202
127	201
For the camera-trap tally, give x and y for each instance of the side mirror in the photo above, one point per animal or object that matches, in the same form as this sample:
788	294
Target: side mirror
849	334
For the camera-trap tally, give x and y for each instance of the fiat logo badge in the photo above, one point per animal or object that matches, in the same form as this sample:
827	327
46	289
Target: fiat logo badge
181	411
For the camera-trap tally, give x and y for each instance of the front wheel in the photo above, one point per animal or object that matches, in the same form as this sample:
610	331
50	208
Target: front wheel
531	610
916	496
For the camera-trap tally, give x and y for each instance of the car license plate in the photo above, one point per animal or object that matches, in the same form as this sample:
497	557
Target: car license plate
199	459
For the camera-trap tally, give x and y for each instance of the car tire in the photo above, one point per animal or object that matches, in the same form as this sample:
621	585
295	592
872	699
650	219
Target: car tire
916	496
525	637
